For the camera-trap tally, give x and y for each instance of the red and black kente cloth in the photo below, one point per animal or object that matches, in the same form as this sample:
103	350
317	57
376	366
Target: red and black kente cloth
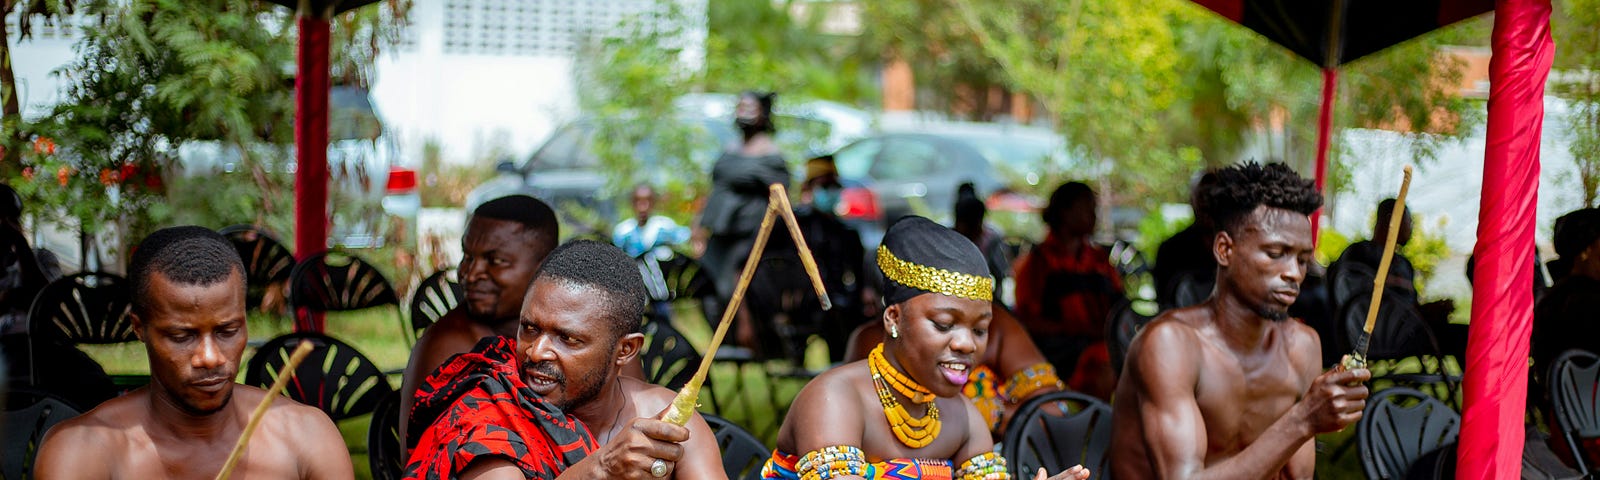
477	406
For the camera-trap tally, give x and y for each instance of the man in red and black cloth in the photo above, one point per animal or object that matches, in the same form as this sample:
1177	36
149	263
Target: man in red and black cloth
502	410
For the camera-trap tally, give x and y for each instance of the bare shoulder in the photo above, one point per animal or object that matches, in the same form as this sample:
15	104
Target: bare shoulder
836	380
1305	345
103	430
1173	332
647	397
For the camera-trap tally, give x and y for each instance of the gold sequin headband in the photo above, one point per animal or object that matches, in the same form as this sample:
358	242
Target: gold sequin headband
936	280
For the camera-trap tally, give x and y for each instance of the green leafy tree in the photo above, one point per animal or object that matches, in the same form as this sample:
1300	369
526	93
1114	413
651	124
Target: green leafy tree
1152	92
1577	64
13	138
766	45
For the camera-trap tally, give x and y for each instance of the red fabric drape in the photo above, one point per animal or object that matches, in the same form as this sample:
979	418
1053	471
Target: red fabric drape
1330	84
1502	304
311	145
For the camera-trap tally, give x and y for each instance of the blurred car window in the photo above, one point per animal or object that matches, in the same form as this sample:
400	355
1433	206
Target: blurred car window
908	159
854	160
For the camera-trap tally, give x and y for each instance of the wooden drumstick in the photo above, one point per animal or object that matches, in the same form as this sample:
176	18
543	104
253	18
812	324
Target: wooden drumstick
688	399
1358	358
284	374
782	198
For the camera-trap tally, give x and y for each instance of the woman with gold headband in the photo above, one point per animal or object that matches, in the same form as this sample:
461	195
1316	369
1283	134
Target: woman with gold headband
900	414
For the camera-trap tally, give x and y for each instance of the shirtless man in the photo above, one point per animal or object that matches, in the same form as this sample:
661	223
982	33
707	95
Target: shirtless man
189	311
578	330
506	240
1231	388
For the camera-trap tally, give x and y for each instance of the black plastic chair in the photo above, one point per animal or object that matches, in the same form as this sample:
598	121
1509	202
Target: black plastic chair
1347	279
1056	431
384	455
333	282
1190	288
1575	404
1399	426
1123	324
434	297
1400	333
28	416
83	308
742	453
350	386
266	260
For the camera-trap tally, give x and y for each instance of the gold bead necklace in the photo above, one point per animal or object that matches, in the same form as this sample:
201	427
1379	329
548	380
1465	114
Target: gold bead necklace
911	431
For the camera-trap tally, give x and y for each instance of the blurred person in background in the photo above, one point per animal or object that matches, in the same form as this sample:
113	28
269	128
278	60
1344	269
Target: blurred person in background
646	232
838	252
1188	251
969	214
739	181
1065	289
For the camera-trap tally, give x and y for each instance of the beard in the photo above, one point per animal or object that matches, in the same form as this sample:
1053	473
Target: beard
1272	314
587	387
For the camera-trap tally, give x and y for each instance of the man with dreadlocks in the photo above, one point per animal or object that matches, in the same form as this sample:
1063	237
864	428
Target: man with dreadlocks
1229	388
900	414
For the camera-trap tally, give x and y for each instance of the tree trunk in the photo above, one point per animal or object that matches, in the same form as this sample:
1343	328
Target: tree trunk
10	112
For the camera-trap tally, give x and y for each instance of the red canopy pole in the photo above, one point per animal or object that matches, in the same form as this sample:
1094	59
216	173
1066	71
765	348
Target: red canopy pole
1502	304
311	143
1330	82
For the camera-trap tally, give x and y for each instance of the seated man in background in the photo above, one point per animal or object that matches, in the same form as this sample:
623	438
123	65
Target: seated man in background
1402	275
969	213
1232	387
505	241
1188	251
188	309
514	411
646	232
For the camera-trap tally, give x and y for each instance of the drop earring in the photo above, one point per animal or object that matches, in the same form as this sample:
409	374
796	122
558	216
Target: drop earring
894	332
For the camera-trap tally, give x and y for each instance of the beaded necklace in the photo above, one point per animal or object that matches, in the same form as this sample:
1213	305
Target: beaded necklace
912	432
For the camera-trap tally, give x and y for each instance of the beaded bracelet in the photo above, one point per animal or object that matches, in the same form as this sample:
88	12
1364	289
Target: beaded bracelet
1031	379
830	462
988	466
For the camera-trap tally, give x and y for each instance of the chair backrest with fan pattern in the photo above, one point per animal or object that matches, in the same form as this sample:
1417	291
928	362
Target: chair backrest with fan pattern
1574	382
335	378
324	282
1056	431
1399	426
266	260
742	453
384	454
28	416
434	297
84	308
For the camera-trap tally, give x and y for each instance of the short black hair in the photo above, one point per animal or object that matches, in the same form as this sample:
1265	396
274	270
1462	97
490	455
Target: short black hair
187	255
1241	188
536	217
1064	197
1385	209
603	266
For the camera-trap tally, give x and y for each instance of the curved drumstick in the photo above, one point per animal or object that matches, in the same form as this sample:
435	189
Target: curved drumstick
284	374
688	399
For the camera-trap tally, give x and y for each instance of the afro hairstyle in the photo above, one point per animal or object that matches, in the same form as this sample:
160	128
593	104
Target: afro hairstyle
1241	188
